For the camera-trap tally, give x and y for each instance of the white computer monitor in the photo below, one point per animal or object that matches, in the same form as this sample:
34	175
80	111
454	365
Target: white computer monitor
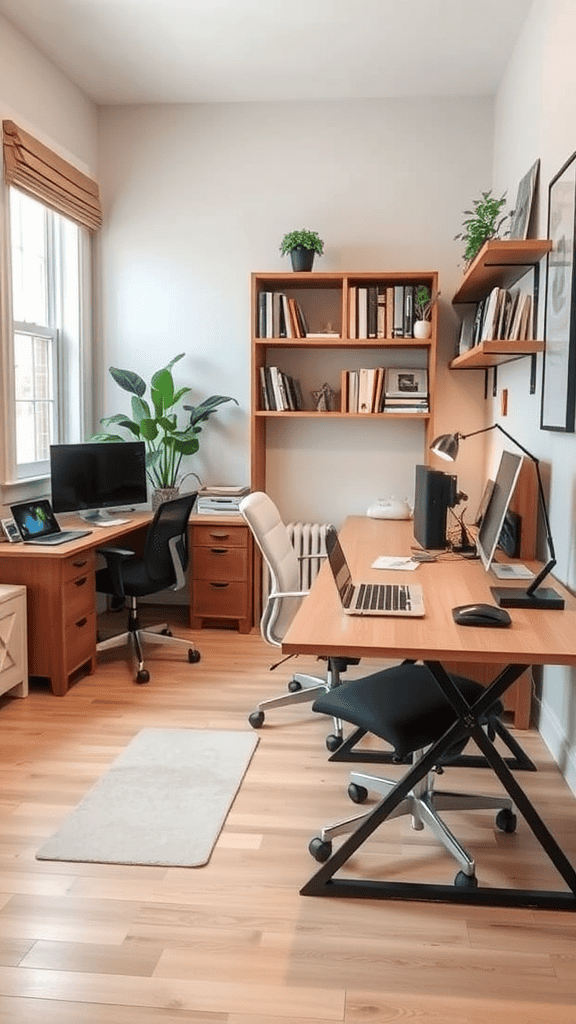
493	518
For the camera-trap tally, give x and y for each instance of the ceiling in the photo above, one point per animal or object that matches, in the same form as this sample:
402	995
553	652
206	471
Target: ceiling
203	51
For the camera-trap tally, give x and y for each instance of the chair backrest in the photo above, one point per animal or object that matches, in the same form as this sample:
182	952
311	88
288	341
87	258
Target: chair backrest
166	548
272	538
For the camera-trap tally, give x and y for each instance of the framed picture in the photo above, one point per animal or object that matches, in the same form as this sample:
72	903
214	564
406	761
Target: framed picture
524	202
406	382
559	369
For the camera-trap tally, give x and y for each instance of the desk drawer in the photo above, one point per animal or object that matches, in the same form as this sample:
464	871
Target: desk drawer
80	640
221	564
221	600
220	536
78	596
77	565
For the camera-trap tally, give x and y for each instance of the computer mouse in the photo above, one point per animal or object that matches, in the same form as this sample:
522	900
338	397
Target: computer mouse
481	615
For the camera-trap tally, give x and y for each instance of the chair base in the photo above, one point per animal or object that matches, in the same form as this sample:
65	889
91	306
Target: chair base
136	638
423	803
304	689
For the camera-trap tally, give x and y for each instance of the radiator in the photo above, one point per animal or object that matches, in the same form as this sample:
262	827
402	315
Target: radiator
308	539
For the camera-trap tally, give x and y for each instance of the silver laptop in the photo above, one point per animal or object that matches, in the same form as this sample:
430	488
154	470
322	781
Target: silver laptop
370	598
38	524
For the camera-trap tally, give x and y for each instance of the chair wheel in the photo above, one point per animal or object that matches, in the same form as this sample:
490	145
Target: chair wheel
143	676
256	719
193	656
463	881
506	820
166	632
294	686
320	849
357	793
333	742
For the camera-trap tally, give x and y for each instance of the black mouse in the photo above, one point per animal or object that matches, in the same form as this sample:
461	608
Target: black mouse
481	615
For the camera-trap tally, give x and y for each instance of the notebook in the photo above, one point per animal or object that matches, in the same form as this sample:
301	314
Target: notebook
370	598
38	524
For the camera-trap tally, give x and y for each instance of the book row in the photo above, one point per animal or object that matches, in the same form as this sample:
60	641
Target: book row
280	316
279	391
501	315
382	311
375	389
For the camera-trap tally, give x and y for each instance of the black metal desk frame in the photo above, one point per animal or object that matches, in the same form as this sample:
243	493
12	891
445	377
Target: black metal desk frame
323	883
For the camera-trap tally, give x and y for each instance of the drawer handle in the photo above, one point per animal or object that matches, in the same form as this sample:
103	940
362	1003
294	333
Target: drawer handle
81	581
219	586
219	551
220	534
82	622
80	563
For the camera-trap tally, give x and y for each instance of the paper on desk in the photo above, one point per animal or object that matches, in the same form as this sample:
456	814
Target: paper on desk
511	571
403	562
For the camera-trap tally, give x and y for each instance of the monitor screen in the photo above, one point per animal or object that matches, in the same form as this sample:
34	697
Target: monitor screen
500	498
94	476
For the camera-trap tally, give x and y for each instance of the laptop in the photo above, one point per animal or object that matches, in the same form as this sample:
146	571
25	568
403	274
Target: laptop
38	524
398	599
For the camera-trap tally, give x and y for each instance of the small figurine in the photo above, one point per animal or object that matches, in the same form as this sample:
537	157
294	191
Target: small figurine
323	398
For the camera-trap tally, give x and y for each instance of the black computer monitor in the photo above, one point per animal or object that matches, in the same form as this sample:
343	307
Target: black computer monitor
495	513
92	477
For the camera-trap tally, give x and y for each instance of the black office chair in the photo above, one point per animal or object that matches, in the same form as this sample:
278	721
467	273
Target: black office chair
162	567
404	706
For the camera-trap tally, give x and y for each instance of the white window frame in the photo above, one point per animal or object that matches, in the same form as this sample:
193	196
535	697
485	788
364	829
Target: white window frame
74	365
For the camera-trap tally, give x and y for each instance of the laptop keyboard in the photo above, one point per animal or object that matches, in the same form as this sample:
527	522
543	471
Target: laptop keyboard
381	597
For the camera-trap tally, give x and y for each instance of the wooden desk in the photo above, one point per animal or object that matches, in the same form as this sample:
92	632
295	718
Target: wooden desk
535	637
61	597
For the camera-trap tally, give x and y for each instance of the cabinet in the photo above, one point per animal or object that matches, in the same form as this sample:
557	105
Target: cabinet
221	580
329	302
500	263
13	645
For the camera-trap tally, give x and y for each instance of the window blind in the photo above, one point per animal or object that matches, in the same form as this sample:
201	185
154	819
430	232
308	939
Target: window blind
42	174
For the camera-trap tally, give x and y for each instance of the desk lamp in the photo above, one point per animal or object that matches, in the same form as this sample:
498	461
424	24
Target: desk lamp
446	447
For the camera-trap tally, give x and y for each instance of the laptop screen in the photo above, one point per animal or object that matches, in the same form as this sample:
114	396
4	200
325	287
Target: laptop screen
35	519
337	560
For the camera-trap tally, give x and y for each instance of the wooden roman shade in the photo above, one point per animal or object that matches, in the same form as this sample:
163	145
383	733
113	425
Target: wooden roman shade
42	174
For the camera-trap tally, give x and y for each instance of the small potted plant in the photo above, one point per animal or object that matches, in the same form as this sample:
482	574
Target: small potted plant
302	246
423	303
483	222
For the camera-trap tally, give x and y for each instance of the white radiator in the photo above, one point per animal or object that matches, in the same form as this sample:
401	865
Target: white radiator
308	539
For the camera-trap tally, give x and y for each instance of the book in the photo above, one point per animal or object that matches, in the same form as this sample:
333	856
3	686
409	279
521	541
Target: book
362	301
352	311
389	312
398	328
285	320
372	311
381	311
409	311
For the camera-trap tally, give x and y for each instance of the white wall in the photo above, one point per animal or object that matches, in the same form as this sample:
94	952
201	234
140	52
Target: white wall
39	98
197	197
535	118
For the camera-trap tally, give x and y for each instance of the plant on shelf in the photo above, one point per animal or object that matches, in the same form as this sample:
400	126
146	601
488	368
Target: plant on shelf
483	222
302	245
156	423
424	301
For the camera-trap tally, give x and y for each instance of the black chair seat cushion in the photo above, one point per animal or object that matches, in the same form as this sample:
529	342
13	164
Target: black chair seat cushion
403	705
136	578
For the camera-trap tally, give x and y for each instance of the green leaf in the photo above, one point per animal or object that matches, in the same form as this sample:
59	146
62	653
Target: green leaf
149	429
200	413
128	380
140	409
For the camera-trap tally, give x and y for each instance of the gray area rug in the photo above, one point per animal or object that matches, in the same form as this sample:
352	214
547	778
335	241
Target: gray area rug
163	801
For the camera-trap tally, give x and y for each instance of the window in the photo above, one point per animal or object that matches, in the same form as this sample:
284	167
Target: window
49	260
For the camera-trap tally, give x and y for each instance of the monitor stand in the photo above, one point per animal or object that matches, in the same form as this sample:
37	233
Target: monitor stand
543	597
103	516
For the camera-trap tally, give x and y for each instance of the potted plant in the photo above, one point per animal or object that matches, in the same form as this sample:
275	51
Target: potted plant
302	246
156	423
483	222
423	303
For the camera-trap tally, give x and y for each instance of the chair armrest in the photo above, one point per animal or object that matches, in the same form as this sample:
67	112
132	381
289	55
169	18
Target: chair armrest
114	559
278	594
117	554
317	555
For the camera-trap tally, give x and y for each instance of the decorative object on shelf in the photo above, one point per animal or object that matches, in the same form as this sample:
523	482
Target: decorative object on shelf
423	303
483	222
156	423
559	370
302	246
524	202
323	398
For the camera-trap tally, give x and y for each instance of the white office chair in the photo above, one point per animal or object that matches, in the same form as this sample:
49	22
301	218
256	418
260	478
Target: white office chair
283	600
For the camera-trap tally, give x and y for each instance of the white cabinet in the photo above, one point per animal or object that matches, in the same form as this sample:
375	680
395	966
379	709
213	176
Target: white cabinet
13	644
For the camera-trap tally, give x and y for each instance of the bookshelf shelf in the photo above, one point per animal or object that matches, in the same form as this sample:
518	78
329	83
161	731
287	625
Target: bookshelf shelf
494	353
330	301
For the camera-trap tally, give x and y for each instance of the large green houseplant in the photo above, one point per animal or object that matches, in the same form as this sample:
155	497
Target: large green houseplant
156	423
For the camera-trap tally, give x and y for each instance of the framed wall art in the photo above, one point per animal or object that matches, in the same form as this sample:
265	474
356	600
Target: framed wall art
559	369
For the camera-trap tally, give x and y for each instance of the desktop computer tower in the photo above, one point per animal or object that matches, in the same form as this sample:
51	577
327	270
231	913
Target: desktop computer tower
435	493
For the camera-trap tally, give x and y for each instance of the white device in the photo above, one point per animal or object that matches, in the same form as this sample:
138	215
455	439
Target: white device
10	531
390	508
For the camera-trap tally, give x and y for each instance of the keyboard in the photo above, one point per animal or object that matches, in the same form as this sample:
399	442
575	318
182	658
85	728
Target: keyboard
61	538
384	599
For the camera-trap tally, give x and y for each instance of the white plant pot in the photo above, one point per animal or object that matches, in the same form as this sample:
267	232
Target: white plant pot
422	329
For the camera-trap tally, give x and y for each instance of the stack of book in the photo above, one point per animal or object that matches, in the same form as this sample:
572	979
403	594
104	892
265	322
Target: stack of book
362	390
501	315
220	500
406	391
381	311
279	391
280	316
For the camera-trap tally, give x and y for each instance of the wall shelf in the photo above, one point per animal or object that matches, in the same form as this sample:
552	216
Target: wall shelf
494	353
500	262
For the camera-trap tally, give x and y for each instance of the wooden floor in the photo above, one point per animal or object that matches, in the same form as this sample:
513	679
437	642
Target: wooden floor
233	942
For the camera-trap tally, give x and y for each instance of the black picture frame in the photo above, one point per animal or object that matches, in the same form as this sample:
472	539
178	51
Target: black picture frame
524	203
558	404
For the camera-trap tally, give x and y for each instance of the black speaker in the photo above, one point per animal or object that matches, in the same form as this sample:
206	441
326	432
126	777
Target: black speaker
435	493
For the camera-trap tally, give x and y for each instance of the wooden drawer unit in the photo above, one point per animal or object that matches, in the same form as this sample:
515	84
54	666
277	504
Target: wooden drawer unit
13	649
222	572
